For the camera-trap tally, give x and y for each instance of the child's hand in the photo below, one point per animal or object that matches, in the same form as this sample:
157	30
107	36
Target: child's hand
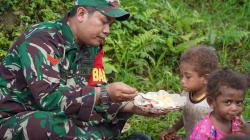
169	134
245	128
130	107
237	122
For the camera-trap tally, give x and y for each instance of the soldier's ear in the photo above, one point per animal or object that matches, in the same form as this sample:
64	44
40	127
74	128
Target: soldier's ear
81	14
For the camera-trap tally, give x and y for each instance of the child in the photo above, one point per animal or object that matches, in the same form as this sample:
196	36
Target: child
196	64
226	93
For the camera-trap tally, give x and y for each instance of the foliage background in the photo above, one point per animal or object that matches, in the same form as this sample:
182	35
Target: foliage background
144	50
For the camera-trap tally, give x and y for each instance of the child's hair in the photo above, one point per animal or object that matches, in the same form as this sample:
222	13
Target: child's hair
203	58
225	77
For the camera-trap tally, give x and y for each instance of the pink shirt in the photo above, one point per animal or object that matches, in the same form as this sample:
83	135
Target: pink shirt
204	130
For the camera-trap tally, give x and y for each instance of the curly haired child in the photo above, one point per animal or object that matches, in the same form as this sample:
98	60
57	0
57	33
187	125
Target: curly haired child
226	94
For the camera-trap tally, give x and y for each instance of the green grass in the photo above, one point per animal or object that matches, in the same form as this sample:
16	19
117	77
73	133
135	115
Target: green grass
152	126
246	113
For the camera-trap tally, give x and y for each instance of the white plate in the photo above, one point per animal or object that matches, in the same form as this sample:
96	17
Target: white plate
160	101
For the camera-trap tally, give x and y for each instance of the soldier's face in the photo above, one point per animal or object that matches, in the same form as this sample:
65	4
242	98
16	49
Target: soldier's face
93	28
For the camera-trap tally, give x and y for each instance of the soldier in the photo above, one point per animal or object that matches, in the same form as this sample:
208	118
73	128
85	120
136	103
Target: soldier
51	79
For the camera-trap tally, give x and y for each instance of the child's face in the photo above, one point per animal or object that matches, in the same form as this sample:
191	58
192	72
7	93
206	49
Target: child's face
191	81
228	104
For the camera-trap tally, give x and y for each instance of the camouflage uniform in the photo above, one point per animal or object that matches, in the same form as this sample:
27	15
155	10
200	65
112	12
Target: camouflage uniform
44	92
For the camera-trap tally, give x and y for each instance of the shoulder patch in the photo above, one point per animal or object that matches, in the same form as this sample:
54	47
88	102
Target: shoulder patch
52	60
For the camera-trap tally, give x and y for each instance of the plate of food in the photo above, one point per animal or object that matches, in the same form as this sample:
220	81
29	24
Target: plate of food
161	101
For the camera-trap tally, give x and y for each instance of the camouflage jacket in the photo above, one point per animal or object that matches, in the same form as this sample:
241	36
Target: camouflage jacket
46	70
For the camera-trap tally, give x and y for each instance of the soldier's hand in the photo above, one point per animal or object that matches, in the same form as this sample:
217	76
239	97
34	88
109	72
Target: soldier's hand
119	92
130	107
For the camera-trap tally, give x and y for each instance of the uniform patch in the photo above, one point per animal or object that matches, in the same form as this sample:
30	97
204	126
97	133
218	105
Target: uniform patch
98	73
52	60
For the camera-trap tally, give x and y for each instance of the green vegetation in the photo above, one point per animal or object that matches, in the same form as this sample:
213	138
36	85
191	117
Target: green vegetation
144	50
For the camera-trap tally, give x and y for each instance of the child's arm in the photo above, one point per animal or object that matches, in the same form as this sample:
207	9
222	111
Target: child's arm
171	132
178	124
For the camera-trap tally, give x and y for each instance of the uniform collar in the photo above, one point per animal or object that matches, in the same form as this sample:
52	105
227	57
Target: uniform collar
68	34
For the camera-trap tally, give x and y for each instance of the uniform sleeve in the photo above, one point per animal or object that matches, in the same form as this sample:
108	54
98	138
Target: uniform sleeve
41	71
